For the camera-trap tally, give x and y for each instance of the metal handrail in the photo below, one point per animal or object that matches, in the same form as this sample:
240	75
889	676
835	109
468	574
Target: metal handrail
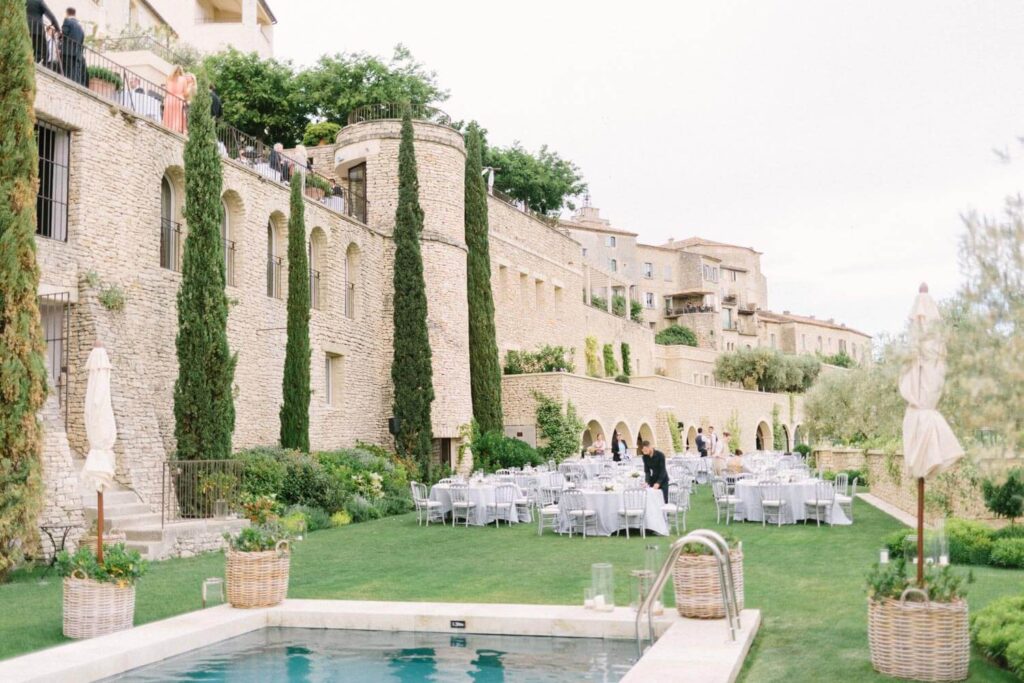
720	550
385	111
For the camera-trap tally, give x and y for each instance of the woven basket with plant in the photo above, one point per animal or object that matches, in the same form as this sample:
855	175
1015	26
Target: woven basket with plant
99	598
697	581
258	562
918	633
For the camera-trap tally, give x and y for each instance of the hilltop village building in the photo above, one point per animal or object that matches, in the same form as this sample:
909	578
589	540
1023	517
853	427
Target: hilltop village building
110	238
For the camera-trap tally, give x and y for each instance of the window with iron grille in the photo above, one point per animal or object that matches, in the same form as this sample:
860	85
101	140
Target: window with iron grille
54	145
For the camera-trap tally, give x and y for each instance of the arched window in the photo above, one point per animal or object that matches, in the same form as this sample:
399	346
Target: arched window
170	230
228	244
351	279
317	290
275	264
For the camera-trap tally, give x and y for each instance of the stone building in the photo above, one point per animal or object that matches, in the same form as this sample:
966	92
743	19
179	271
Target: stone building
111	233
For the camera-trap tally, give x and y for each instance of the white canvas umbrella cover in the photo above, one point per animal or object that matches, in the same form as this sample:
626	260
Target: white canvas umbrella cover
929	445
100	427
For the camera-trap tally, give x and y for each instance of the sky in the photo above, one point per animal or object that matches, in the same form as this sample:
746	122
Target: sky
844	140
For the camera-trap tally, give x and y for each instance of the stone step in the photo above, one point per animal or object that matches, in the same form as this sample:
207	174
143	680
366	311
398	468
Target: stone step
145	533
150	550
125	522
116	497
122	510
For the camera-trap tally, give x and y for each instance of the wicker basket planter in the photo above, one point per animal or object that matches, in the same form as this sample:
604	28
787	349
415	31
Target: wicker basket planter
94	608
258	579
922	641
697	585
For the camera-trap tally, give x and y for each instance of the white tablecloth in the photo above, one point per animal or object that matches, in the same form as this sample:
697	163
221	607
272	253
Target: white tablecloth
795	495
607	506
482	495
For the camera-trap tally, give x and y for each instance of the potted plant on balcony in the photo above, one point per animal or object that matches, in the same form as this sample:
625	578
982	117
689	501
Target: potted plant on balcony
320	133
697	582
99	598
918	633
257	566
104	81
317	187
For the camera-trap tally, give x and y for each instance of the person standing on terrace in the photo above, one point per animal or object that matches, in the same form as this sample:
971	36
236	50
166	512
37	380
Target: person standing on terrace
71	47
35	10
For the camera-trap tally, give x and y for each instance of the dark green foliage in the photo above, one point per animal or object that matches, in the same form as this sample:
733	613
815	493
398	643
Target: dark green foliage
101	73
545	181
411	370
599	302
619	305
259	538
860	475
1006	499
1008	552
627	361
636	311
611	368
802	448
969	542
622	378
316	518
120	566
306	482
295	385
544	359
942	584
324	130
484	367
1009	531
22	368
676	335
998	631
264	470
767	369
493	450
204	407
840	360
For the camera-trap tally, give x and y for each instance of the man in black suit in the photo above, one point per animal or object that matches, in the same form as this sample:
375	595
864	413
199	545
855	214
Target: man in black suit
35	10
72	40
702	443
655	472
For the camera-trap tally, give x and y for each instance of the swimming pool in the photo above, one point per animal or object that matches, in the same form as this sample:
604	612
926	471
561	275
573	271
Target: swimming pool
329	655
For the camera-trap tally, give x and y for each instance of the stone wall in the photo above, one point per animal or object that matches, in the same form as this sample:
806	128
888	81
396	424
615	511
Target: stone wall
839	459
62	501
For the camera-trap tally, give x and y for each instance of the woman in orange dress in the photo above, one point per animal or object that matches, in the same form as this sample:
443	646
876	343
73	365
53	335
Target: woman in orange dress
180	88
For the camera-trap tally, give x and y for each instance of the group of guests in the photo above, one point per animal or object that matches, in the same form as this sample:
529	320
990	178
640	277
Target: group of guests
618	447
57	45
710	445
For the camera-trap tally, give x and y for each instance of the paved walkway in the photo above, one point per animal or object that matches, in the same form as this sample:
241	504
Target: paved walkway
890	509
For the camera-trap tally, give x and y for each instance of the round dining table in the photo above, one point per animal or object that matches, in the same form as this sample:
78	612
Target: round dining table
606	506
483	495
794	493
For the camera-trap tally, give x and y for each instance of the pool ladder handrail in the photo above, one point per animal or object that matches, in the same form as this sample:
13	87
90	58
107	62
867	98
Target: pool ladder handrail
720	550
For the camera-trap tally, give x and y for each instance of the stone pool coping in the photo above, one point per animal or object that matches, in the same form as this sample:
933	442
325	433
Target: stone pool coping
688	650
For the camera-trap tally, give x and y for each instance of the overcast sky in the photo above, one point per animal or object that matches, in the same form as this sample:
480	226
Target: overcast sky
842	139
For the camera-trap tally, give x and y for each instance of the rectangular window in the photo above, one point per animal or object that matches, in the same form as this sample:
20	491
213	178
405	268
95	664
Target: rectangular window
649	299
668	273
524	290
332	379
54	146
648	270
727	318
613	265
731	275
842	346
610	241
803	342
584	252
773	341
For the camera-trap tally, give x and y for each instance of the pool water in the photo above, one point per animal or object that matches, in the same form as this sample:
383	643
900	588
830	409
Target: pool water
322	655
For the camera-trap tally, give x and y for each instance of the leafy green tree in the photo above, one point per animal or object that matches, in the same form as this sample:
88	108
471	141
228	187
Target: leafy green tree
545	359
324	130
766	369
260	97
484	366
204	407
545	182
339	83
840	360
411	370
1006	499
295	387
611	368
560	429
627	361
22	348
676	335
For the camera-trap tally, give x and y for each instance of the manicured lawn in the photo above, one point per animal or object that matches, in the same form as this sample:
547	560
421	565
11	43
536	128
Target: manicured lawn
808	582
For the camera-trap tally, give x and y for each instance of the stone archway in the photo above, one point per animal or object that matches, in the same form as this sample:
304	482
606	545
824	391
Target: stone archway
787	445
646	433
591	432
763	437
798	435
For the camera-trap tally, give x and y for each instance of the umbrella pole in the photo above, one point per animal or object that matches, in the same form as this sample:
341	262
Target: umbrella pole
920	532
99	527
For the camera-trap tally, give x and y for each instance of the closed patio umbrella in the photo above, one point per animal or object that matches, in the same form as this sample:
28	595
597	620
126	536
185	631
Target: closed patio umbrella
929	445
101	431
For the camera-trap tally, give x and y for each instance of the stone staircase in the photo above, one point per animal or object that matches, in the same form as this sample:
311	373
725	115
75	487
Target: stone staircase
124	511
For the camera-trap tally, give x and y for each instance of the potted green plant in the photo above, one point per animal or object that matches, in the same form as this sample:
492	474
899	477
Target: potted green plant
104	81
258	559
218	490
697	582
918	632
320	133
99	598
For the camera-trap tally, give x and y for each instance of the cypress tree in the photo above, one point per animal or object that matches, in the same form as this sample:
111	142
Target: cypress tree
295	409
204	408
484	366
627	362
22	365
411	372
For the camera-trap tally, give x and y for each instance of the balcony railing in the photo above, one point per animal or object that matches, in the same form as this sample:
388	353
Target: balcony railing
672	312
170	244
314	289
387	111
200	489
108	79
275	273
